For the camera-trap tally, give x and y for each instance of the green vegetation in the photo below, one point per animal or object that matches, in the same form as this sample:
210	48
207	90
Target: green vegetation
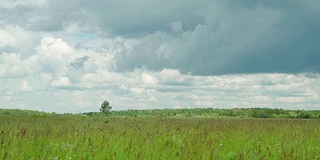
210	112
196	112
18	112
161	134
105	108
83	137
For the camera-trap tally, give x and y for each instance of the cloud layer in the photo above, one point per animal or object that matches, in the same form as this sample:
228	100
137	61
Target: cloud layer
70	56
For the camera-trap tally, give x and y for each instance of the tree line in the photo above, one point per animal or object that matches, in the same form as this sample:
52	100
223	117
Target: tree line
215	112
195	112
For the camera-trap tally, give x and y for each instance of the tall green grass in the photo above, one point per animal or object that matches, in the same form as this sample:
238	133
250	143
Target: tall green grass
81	137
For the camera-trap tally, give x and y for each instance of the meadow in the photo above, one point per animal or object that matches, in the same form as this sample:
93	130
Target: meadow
84	137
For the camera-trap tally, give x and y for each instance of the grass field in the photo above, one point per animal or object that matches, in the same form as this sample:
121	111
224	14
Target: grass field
82	137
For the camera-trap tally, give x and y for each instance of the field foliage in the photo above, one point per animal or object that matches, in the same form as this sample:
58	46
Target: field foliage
84	137
215	112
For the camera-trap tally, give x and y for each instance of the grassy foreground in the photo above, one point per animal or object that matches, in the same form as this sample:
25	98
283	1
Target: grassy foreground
82	137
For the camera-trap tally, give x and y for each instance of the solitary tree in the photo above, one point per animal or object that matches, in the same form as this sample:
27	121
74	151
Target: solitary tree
105	107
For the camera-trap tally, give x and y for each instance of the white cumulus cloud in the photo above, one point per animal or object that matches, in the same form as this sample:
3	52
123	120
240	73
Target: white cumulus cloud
25	86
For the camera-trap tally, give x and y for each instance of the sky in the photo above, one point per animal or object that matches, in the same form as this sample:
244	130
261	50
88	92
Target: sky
69	56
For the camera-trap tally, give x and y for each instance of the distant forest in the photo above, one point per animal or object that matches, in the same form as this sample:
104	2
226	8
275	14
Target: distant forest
19	112
195	112
214	112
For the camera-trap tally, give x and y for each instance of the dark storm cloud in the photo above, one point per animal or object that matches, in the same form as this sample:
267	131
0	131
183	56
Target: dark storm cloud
216	37
237	38
141	17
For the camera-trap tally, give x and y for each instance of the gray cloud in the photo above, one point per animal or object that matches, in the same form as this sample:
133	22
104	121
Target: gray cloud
212	38
138	18
156	54
79	62
47	17
237	38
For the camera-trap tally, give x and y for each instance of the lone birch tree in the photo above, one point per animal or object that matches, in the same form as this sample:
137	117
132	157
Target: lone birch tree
105	107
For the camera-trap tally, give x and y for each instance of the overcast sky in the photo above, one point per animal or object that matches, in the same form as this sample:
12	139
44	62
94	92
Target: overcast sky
69	56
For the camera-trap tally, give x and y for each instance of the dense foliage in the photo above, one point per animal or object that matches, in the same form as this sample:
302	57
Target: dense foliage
83	137
196	112
18	112
105	108
211	112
